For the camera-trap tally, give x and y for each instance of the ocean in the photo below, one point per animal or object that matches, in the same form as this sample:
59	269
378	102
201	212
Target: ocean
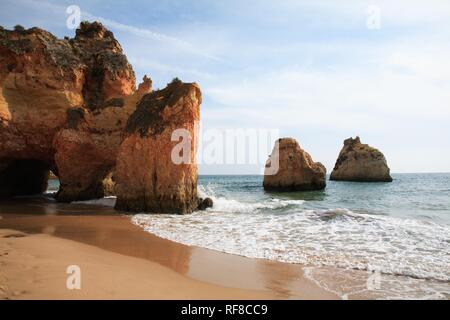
371	240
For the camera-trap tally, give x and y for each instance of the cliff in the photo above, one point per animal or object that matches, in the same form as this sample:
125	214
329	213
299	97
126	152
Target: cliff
71	106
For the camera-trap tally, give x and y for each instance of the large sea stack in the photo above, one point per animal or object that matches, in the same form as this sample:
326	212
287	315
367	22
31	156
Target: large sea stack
152	173
361	163
290	168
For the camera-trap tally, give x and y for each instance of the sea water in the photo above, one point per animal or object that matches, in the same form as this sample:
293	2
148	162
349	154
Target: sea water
399	231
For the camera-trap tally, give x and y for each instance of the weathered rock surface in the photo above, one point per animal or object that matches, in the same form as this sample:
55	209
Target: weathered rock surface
150	175
296	169
71	107
360	162
64	105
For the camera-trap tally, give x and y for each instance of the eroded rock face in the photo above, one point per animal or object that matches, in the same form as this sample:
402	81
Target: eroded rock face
360	162
296	169
152	173
70	107
64	104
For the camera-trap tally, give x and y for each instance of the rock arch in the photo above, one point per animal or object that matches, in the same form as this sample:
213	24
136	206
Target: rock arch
64	104
21	177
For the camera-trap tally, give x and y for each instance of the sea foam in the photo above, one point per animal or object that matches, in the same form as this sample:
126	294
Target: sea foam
109	201
334	237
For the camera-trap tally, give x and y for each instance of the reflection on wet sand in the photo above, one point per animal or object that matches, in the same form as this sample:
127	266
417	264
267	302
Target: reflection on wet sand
107	229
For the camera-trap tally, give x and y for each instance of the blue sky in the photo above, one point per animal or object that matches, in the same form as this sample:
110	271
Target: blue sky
311	69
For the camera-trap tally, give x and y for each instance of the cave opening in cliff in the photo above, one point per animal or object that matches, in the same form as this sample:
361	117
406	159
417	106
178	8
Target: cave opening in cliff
21	177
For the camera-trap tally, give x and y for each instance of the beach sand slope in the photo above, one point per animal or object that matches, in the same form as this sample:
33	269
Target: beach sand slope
34	267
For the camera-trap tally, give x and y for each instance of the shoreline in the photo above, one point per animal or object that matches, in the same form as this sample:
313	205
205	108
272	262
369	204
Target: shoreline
142	265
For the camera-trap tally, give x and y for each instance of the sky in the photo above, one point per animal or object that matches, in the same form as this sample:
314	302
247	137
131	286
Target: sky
319	71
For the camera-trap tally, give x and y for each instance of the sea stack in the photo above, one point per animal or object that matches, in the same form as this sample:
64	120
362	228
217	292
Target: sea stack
290	168
152	173
360	163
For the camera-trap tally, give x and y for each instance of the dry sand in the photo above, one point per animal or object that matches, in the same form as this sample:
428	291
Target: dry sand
120	261
34	267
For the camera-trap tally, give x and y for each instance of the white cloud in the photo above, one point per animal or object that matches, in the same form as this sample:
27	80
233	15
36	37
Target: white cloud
399	103
146	64
364	81
309	68
51	10
344	12
178	44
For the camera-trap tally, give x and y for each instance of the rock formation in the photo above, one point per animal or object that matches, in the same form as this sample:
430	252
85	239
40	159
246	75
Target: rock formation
290	168
360	162
204	204
64	105
152	173
71	107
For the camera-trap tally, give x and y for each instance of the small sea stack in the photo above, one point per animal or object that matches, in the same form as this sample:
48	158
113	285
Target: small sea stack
290	168
360	163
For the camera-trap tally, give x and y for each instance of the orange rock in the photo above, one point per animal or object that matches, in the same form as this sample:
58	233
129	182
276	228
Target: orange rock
361	163
64	104
290	168
152	174
71	106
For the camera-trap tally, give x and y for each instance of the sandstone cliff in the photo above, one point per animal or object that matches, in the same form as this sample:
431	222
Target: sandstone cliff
64	105
296	169
150	176
360	162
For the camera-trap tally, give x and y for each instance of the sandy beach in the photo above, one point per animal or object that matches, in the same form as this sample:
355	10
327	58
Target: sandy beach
118	260
186	150
33	267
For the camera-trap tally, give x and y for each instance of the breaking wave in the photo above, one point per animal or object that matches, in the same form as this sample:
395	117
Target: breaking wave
288	230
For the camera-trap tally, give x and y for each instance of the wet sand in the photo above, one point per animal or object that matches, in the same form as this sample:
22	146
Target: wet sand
118	260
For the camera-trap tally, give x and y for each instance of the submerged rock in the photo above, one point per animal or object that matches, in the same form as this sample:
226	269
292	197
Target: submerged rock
156	169
290	168
360	162
64	104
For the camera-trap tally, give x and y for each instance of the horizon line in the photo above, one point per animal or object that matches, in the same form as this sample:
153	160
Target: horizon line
257	174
